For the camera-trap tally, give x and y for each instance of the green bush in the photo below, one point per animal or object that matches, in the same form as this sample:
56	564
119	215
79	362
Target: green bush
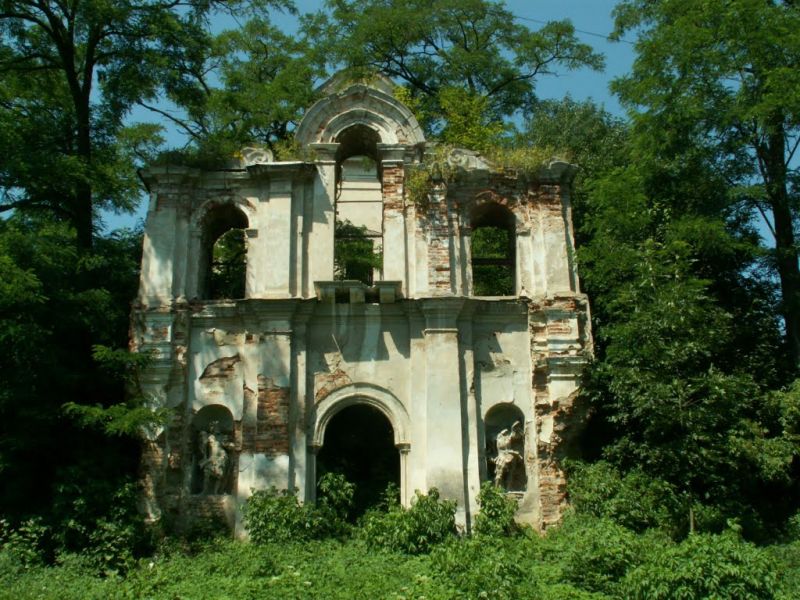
24	544
496	516
596	553
786	558
703	566
277	516
335	502
633	500
477	568
415	530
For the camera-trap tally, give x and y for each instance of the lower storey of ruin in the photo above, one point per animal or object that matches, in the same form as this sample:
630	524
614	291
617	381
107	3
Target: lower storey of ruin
442	392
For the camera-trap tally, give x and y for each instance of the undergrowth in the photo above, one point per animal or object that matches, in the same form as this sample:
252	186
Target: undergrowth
402	553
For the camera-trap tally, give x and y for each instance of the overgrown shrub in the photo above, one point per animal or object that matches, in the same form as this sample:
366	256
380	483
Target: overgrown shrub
416	530
703	566
335	501
496	516
633	500
276	516
475	567
23	545
596	553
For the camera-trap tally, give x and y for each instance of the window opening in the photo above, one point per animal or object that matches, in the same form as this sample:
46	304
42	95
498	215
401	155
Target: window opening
493	262
354	254
228	265
358	237
225	249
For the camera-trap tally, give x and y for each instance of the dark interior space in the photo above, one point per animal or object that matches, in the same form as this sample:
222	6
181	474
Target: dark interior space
359	444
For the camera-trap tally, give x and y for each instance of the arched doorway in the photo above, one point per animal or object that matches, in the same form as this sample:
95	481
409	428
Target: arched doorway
359	444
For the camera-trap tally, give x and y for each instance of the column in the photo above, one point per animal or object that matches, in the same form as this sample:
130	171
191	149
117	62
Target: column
444	462
323	214
277	237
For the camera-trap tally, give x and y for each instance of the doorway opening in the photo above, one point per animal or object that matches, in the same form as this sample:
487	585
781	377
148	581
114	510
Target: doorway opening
359	444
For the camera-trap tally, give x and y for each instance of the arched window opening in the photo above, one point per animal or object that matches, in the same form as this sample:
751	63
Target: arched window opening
225	250
358	237
493	244
504	427
359	444
213	458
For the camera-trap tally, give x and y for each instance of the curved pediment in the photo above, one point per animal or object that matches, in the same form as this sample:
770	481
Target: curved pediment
360	104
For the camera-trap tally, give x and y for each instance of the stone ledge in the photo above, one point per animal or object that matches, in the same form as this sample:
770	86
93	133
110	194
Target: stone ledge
352	291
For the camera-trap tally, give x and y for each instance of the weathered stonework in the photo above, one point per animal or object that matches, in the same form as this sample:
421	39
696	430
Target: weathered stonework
475	388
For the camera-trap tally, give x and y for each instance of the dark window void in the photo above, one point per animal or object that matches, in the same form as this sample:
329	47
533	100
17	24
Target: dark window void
492	246
359	444
225	249
354	254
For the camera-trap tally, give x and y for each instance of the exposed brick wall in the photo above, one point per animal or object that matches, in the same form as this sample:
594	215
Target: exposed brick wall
325	383
272	418
207	510
440	220
437	229
392	187
564	416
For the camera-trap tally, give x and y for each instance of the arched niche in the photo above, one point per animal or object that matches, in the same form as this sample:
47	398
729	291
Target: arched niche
504	429
493	250
213	445
223	251
359	105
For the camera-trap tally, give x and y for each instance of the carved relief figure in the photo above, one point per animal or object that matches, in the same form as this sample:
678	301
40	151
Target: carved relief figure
214	459
508	462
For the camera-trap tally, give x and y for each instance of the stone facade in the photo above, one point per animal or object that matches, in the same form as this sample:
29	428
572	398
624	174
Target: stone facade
252	383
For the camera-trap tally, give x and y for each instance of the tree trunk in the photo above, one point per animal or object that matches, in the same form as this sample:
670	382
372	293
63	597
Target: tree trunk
785	250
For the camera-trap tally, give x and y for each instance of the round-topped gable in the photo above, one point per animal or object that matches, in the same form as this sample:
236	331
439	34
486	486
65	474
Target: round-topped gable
359	105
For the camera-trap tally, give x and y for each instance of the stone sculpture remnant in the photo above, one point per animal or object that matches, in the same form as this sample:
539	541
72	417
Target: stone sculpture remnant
509	459
215	461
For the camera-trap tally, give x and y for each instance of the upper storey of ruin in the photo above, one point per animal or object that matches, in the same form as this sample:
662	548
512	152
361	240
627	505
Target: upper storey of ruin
340	224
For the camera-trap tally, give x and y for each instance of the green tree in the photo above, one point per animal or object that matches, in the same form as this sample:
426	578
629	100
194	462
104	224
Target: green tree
246	85
436	47
679	387
45	311
69	74
716	84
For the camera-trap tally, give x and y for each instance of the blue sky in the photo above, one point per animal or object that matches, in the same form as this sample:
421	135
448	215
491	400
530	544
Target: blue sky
591	17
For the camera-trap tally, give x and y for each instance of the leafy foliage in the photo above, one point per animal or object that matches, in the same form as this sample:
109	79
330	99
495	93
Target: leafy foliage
496	516
633	500
703	566
472	58
702	96
277	516
415	530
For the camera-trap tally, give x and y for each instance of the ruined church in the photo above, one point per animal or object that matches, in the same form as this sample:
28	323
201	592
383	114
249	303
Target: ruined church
314	315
